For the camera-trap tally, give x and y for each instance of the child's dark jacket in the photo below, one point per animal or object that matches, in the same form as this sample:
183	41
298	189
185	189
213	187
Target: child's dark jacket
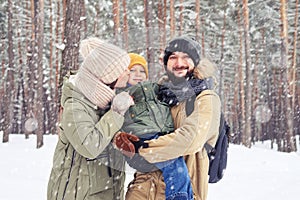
148	116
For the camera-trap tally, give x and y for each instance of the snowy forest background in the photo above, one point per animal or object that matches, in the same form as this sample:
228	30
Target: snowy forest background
254	43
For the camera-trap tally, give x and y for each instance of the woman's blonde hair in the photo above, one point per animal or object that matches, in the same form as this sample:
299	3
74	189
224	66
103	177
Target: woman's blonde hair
206	69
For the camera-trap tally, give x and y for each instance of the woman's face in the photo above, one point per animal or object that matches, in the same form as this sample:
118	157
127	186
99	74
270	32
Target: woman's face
180	64
137	74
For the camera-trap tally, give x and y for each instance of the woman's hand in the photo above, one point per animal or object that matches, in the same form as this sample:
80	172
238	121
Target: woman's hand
123	79
121	103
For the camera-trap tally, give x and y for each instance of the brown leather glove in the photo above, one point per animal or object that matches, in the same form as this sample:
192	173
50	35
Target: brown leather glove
124	142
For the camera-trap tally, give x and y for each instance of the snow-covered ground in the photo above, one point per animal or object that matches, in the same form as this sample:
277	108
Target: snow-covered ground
258	173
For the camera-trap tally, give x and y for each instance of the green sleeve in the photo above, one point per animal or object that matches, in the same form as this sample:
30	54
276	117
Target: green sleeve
87	136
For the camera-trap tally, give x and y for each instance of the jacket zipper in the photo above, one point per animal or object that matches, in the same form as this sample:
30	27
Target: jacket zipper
67	183
108	167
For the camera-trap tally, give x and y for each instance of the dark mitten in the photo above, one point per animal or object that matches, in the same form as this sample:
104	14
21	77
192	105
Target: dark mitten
139	144
166	95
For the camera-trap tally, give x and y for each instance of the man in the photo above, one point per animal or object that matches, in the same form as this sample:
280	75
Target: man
187	76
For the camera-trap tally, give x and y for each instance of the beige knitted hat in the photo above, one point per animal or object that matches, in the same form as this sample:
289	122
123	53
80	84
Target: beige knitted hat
87	45
103	64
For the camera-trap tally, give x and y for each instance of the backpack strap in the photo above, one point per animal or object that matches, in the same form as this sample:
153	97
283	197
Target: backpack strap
211	151
189	105
189	108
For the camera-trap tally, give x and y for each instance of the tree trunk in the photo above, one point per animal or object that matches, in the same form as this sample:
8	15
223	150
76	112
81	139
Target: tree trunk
203	36
58	58
236	111
2	82
274	85
160	16
57	53
197	20
51	80
222	75
31	73
65	4
16	102
280	113
116	19
9	83
255	99
162	21
149	37
40	97
181	9
267	130
248	91
125	26
294	74
71	38
52	114
165	22
26	80
96	21
172	19
83	24
288	111
241	83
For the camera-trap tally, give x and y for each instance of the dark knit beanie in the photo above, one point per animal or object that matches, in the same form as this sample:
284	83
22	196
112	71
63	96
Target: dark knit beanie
186	45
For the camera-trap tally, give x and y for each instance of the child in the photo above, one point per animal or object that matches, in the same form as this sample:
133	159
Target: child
148	119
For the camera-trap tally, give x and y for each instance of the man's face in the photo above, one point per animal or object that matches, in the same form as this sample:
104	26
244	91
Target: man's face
180	64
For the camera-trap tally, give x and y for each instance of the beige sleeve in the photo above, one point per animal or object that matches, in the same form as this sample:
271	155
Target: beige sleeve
190	138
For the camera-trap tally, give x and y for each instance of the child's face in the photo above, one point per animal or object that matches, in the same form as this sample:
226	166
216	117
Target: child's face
137	74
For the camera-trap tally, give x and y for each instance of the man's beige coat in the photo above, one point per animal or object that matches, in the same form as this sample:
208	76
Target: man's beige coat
187	140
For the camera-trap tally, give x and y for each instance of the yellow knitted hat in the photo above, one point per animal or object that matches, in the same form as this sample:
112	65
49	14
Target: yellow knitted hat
136	59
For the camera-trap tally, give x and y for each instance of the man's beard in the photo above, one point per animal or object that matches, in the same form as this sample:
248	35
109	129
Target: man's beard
177	80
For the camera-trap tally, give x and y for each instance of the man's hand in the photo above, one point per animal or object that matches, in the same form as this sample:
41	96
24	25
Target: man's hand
124	142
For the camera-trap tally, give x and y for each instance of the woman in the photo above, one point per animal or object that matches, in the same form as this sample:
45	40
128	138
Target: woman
85	165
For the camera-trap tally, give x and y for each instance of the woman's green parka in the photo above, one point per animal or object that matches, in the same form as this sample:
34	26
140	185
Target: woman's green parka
85	165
